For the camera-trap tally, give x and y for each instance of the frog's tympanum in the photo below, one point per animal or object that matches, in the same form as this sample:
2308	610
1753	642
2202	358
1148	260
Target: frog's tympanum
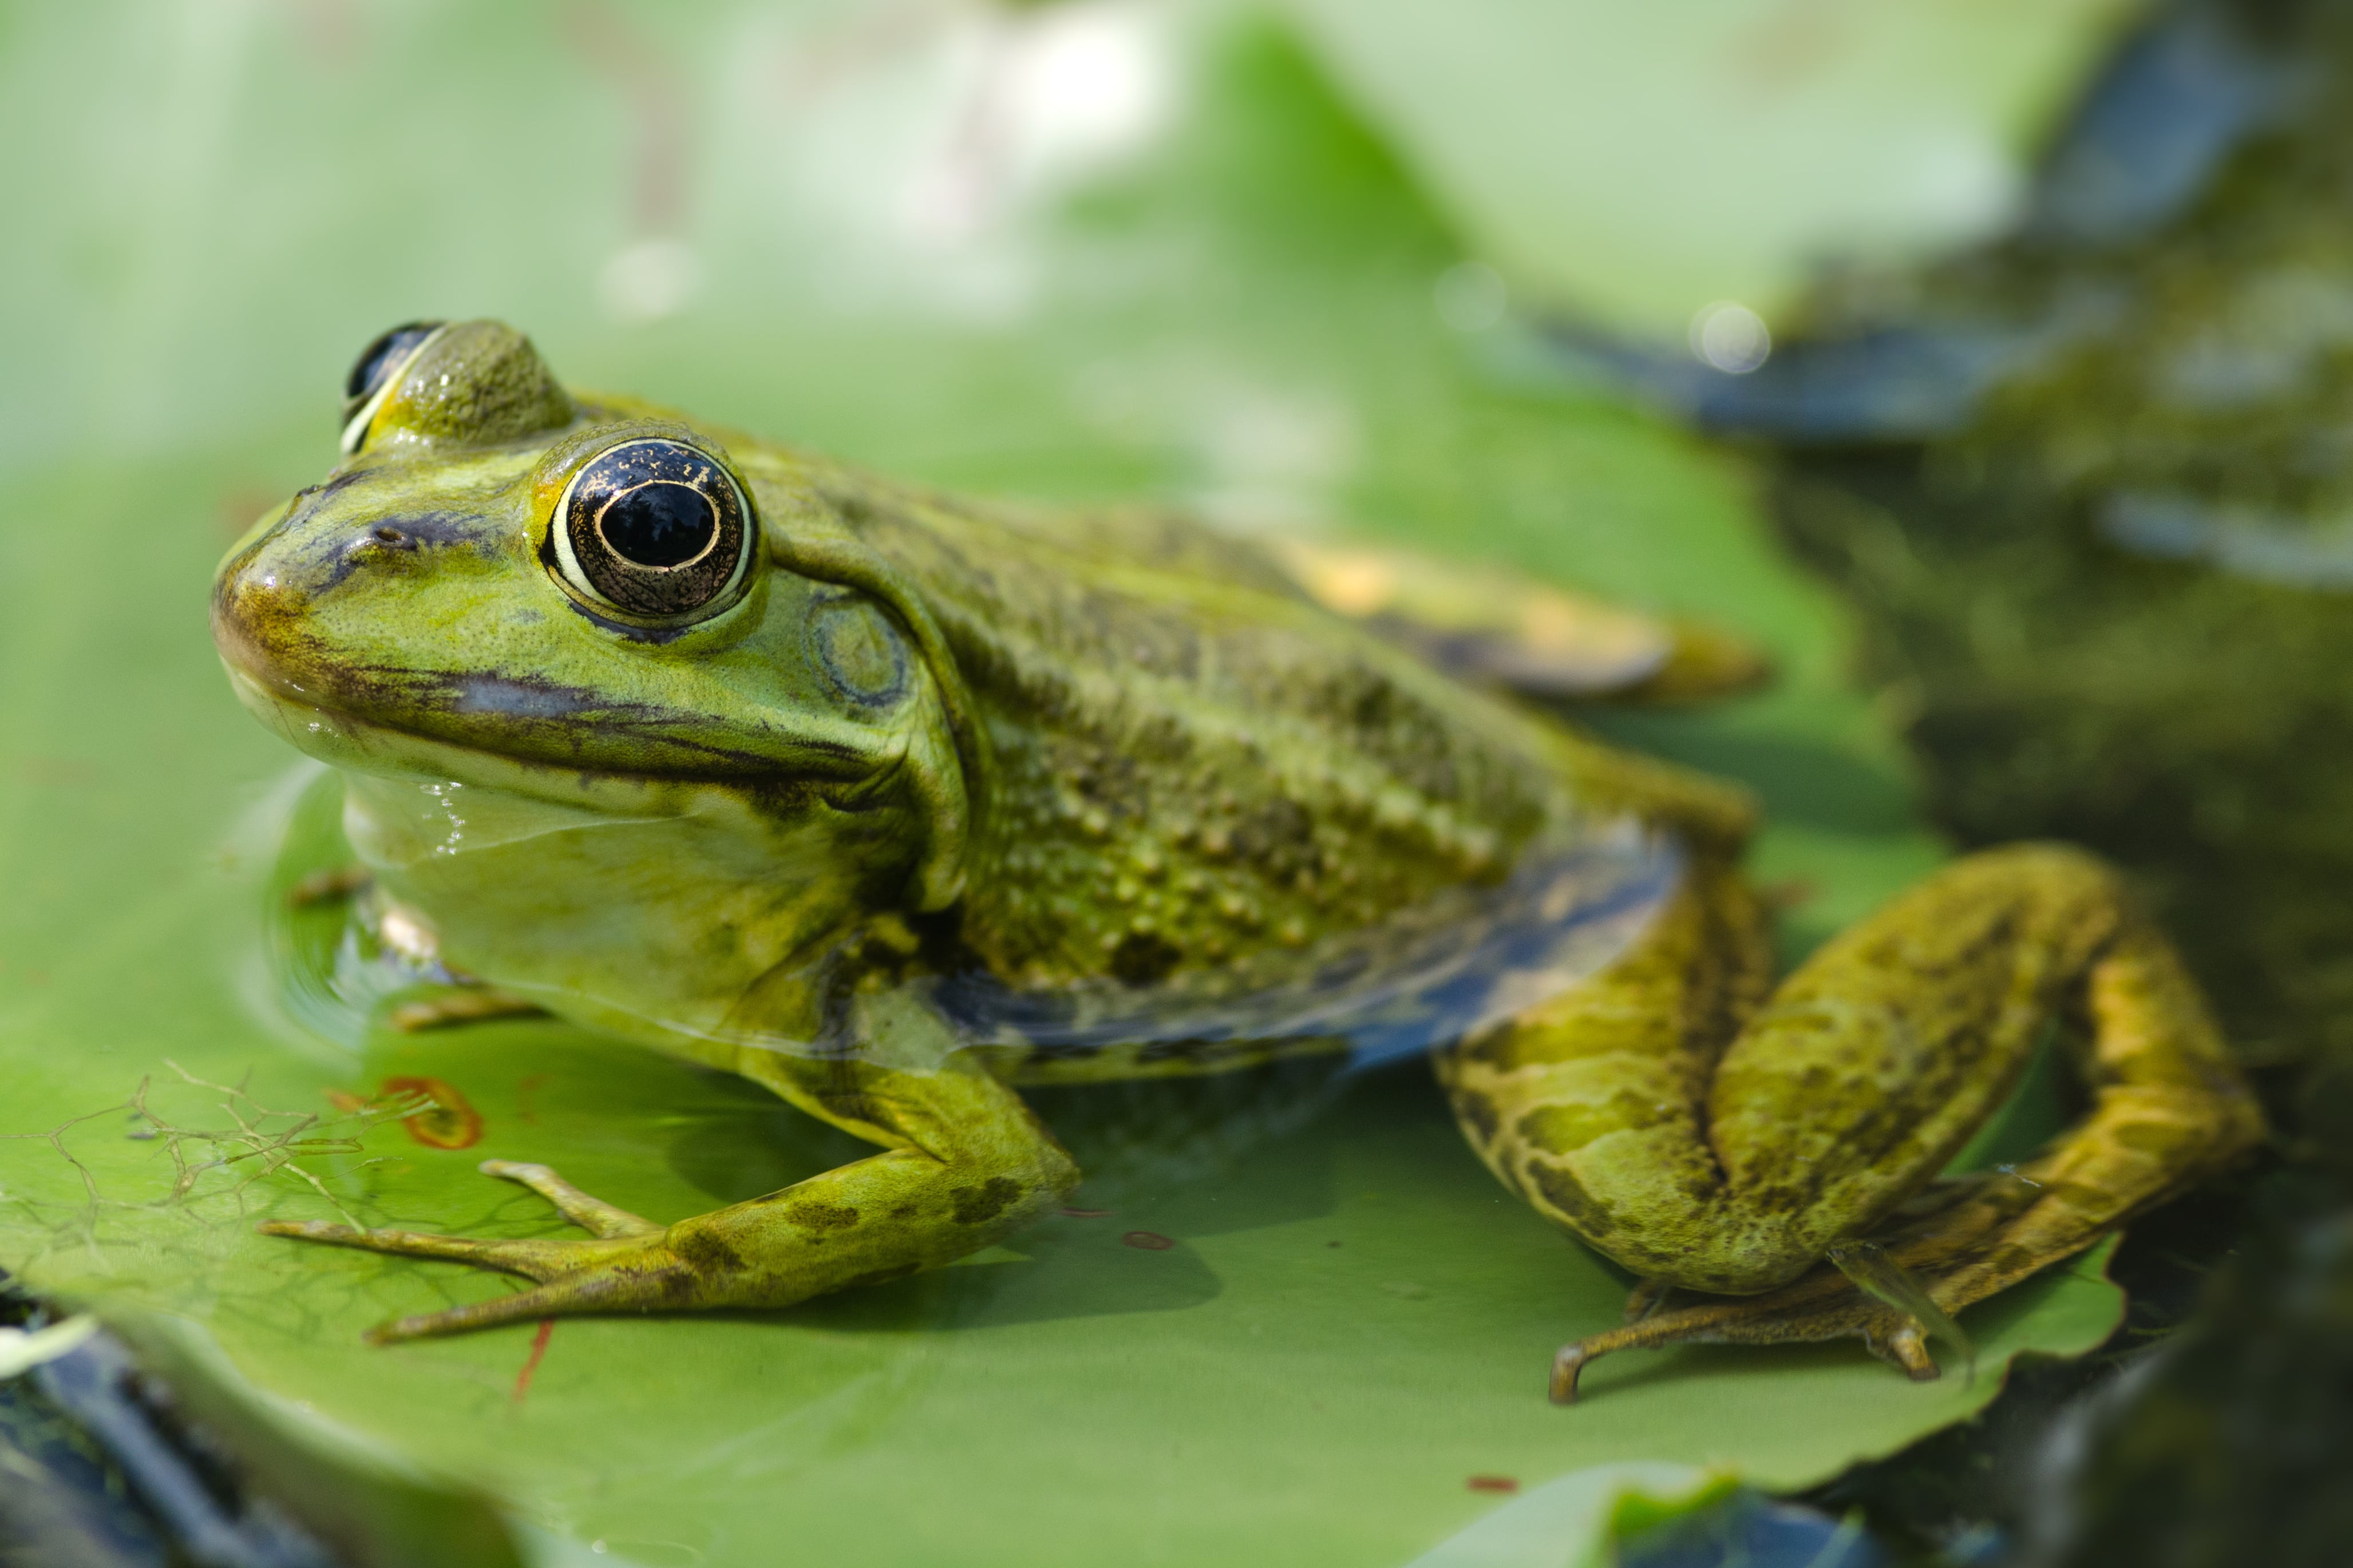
893	802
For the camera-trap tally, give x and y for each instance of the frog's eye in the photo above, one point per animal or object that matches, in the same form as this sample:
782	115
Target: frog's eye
652	528
373	373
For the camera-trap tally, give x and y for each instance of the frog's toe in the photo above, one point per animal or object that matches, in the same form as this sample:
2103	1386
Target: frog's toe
591	1214
533	1258
499	1310
609	1274
1567	1363
647	1279
1906	1348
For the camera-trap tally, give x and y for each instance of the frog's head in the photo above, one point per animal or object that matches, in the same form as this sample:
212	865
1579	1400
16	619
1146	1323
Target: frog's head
505	586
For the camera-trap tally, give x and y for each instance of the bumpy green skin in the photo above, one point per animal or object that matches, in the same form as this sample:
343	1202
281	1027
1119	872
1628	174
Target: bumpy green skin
1113	751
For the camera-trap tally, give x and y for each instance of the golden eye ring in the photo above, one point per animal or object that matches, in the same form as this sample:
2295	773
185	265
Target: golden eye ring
652	528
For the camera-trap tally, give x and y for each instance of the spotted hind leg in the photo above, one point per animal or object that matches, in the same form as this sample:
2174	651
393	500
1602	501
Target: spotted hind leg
1737	1162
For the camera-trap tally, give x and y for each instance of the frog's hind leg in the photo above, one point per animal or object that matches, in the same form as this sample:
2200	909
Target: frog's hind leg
1842	1097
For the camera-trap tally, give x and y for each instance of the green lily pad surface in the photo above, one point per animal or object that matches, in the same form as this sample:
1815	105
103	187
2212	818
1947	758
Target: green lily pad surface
1290	1318
1638	163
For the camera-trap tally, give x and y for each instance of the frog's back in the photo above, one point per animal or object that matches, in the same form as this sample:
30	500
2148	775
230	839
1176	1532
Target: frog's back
1186	761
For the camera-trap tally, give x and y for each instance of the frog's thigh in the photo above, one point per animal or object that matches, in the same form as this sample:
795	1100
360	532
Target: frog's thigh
1618	1067
1854	1084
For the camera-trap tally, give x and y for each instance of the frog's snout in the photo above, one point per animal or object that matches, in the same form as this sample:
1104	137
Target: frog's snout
265	595
257	611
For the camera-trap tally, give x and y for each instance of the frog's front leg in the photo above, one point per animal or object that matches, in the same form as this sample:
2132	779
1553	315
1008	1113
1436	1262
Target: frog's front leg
964	1163
1719	1144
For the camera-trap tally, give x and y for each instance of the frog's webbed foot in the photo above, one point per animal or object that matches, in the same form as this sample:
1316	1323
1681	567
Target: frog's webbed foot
623	1267
1824	1305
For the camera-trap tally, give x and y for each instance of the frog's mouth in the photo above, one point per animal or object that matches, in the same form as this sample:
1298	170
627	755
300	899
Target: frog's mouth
346	740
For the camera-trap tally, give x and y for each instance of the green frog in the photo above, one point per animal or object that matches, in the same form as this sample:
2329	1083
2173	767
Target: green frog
893	802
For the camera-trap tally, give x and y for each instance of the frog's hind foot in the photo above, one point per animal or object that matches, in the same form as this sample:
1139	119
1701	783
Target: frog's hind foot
1965	1240
626	1268
1824	1305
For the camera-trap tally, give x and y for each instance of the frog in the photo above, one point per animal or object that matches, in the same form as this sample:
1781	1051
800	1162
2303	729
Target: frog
895	802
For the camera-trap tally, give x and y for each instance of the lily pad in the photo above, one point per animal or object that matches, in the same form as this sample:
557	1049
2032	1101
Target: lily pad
1309	1327
1638	163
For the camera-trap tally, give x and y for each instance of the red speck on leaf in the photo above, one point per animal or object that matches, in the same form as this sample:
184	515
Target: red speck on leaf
1493	1483
1150	1240
530	1362
1084	1213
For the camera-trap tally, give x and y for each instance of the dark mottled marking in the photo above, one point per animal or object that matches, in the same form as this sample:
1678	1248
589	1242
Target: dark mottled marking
818	1217
1149	1240
1144	958
1568	1199
706	1253
1479	1110
979	1206
902	1211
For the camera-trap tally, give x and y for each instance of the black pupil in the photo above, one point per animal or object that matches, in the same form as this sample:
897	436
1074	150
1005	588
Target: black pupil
659	525
381	355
